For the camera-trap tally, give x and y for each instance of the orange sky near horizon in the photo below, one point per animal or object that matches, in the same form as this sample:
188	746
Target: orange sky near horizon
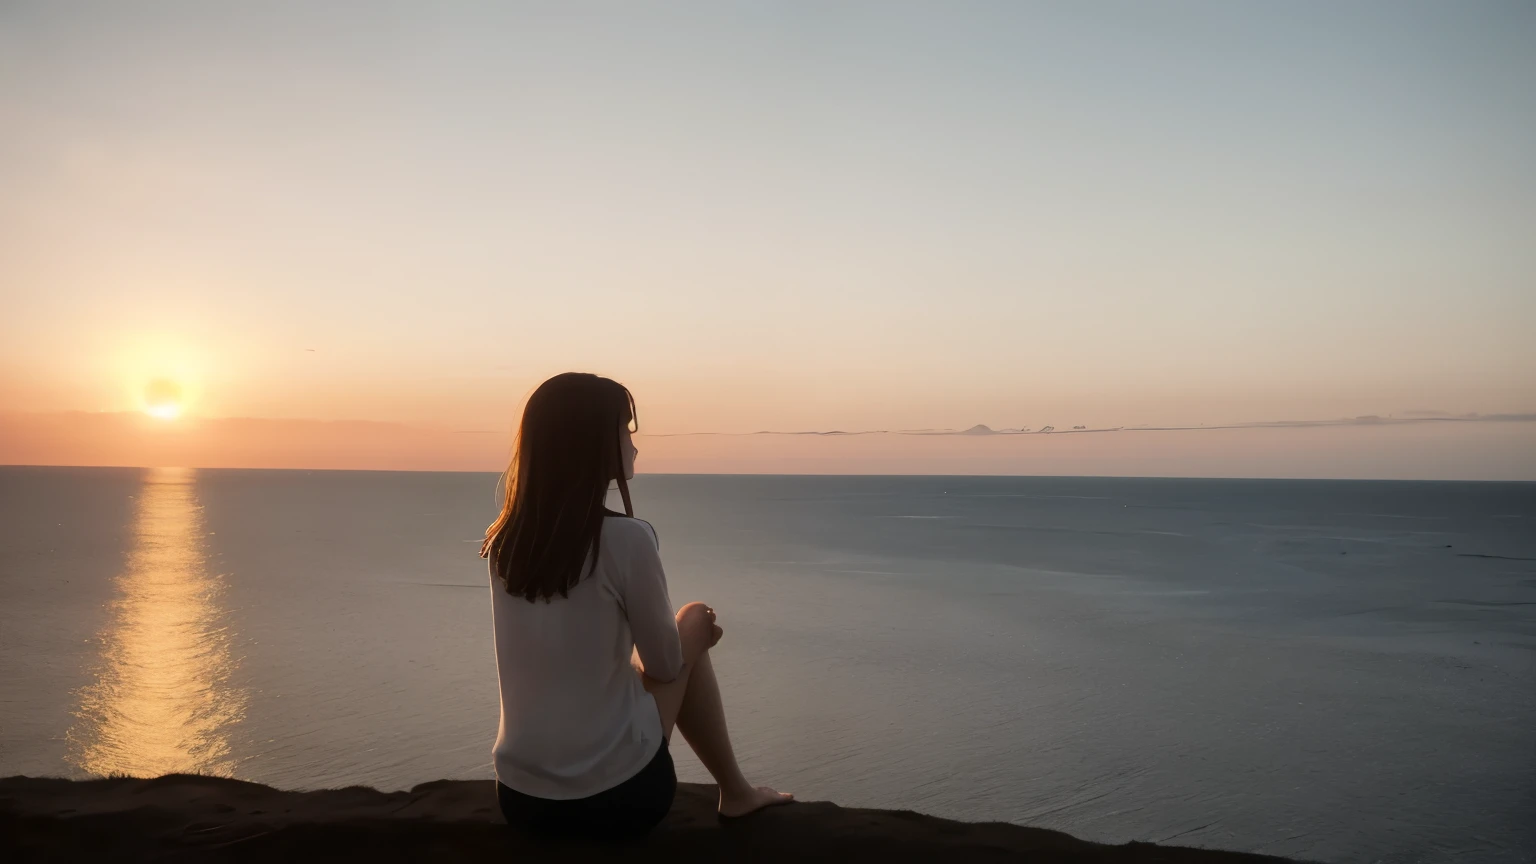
1459	450
346	236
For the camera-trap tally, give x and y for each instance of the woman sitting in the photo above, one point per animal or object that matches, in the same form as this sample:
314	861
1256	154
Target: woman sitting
595	670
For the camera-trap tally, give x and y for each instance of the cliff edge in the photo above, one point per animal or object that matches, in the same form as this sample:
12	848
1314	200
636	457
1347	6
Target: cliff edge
185	817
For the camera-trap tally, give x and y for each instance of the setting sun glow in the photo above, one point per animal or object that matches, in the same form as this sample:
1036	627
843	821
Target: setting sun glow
162	399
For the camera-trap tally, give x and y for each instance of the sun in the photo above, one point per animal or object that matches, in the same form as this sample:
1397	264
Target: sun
162	399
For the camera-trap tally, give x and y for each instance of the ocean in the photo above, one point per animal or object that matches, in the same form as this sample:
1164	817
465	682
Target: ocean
1331	670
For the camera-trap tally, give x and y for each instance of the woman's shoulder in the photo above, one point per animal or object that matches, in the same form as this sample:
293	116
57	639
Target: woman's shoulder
628	529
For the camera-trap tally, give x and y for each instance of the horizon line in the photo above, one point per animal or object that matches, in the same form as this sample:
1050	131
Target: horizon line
1280	479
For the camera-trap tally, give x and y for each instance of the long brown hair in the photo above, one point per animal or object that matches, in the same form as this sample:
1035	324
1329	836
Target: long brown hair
567	451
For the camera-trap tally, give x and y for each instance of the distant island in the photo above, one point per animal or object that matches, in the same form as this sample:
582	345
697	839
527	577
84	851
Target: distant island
1419	418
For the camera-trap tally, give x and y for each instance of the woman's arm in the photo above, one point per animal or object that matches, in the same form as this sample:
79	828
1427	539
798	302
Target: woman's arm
649	608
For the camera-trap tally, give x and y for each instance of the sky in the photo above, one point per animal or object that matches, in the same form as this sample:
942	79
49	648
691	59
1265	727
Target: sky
371	228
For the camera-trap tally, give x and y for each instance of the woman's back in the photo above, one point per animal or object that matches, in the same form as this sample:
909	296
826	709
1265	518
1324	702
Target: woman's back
575	717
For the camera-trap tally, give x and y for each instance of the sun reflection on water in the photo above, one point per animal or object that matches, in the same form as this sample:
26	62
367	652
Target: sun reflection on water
163	701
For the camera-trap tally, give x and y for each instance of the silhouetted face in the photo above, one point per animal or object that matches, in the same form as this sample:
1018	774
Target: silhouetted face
627	451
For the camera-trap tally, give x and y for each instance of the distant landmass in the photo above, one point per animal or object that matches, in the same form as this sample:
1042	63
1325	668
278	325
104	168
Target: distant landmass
1418	417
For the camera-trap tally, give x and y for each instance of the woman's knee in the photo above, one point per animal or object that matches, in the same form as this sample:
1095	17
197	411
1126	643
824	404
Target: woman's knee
695	626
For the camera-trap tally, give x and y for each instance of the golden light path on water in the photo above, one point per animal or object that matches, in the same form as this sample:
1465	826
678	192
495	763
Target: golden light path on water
163	701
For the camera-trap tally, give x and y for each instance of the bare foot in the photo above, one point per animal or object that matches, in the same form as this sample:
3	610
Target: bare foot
750	800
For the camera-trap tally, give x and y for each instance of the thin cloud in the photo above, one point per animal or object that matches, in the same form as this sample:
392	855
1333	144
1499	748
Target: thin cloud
1362	420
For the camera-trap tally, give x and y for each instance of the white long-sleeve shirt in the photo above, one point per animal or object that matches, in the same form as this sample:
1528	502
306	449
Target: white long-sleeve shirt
575	719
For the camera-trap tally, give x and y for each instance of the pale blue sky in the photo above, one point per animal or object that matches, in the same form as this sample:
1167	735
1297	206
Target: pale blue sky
774	215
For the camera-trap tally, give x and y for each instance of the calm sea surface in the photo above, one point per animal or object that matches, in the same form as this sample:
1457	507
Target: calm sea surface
1343	671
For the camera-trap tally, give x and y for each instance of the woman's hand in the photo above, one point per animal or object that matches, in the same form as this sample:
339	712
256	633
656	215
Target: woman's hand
715	632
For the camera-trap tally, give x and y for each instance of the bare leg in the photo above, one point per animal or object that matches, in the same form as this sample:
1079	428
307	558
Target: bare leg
692	703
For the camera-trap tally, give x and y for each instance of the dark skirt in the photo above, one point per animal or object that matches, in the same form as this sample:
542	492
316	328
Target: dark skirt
628	810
